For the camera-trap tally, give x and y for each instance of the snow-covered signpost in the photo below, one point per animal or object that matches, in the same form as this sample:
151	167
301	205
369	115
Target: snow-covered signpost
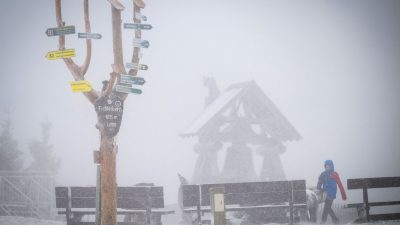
108	103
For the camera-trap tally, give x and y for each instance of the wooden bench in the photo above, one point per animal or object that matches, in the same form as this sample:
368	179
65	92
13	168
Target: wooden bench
274	201
363	209
143	202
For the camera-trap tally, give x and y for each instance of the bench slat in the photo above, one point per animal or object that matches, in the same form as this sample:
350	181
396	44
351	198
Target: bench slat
93	223
128	197
61	192
120	212
389	216
299	197
249	187
233	209
359	205
190	195
260	198
377	182
299	185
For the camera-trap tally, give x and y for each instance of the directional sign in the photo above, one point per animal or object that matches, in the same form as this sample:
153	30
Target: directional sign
139	16
67	53
127	90
60	31
80	86
140	43
136	66
89	35
129	79
109	109
137	26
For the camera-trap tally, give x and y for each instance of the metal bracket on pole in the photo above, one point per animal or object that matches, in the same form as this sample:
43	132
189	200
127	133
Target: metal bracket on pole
98	196
96	157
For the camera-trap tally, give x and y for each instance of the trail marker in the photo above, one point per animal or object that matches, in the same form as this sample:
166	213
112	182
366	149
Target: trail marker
136	66
60	31
127	90
80	86
67	53
89	35
128	79
137	26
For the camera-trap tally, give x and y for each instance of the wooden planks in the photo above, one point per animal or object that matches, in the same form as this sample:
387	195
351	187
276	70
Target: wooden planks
376	182
128	197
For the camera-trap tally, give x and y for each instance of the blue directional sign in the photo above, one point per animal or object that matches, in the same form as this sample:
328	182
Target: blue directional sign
89	35
127	90
129	79
137	26
139	43
136	66
60	31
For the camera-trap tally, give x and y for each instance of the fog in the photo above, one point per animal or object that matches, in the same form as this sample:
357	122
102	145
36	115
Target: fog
331	67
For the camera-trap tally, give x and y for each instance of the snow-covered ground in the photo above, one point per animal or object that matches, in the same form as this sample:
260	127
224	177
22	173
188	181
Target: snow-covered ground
12	220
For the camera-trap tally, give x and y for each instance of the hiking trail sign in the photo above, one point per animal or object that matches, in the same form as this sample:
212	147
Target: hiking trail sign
80	86
60	31
89	35
136	66
129	79
67	53
137	26
127	90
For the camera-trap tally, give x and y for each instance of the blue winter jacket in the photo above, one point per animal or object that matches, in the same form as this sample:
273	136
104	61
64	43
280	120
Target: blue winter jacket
327	182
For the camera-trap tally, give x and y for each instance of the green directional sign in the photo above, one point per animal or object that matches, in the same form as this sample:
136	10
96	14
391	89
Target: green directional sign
127	90
137	26
129	79
60	31
136	66
89	35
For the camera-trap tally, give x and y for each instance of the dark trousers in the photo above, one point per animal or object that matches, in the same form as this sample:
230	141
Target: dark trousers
328	210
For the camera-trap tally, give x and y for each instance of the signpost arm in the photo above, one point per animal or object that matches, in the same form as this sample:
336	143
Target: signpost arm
78	72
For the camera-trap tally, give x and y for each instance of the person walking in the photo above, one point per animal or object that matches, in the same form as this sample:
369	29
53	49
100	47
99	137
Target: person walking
328	182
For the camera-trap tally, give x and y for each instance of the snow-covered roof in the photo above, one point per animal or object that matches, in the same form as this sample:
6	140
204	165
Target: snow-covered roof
264	112
213	109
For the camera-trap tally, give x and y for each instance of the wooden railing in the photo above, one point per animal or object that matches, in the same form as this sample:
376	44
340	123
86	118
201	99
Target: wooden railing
28	194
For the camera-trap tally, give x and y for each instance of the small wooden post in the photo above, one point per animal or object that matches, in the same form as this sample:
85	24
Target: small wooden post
365	199
199	206
68	209
217	200
148	206
290	202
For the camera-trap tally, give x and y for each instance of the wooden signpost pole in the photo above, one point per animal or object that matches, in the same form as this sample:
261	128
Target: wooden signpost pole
109	98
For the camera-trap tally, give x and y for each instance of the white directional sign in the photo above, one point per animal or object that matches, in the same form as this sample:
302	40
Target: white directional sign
127	90
137	26
89	35
136	66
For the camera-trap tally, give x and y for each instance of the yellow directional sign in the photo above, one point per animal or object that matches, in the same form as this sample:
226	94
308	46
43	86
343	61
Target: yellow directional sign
80	86
67	53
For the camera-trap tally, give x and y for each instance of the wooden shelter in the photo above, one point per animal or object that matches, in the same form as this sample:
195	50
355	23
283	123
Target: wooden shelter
244	118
